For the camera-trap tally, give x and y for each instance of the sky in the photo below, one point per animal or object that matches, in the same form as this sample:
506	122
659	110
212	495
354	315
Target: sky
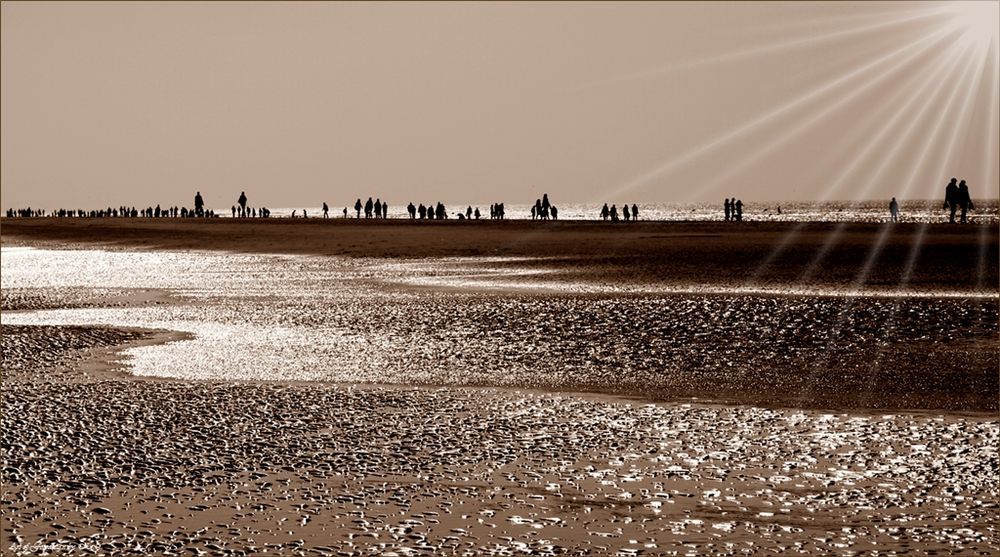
108	104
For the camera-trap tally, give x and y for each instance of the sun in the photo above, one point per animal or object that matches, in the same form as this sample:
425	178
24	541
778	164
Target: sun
979	20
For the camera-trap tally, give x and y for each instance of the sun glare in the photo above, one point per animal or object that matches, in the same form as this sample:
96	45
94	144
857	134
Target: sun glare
979	20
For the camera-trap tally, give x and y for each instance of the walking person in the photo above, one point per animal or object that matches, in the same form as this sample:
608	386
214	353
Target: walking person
728	208
357	207
243	203
964	201
326	210
894	210
951	199
199	204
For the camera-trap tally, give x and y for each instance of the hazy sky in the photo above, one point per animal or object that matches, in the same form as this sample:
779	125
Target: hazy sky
299	103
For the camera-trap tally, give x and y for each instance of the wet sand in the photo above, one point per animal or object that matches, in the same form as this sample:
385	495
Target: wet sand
98	461
957	257
101	462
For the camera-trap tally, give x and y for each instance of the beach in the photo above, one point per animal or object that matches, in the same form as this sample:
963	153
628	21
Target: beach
322	388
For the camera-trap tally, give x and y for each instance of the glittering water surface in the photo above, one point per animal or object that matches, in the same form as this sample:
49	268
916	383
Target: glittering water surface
277	317
791	211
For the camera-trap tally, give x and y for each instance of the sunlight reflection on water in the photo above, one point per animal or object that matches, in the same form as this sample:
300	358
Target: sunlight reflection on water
461	321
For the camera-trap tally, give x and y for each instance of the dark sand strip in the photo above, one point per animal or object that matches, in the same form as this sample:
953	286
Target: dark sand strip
948	256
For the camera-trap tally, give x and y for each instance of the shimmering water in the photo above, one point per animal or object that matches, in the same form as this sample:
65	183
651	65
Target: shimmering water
791	211
446	321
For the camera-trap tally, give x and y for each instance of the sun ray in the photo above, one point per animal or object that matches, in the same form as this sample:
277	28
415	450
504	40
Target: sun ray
988	154
910	181
771	48
940	69
804	125
753	124
959	124
860	280
873	178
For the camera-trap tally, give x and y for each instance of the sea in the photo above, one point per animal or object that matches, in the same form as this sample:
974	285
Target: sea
924	211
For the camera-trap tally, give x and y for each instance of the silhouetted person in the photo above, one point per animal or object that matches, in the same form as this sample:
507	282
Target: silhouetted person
345	212
243	203
951	198
964	200
626	214
368	208
199	204
477	213
534	211
423	211
605	212
357	207
555	213
545	205
326	211
728	208
411	210
468	212
234	211
385	210
378	208
894	210
614	213
739	210
635	212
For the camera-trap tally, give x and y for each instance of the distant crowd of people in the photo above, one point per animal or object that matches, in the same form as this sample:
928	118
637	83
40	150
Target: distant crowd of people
612	212
957	200
543	210
956	197
733	209
373	209
111	212
239	210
